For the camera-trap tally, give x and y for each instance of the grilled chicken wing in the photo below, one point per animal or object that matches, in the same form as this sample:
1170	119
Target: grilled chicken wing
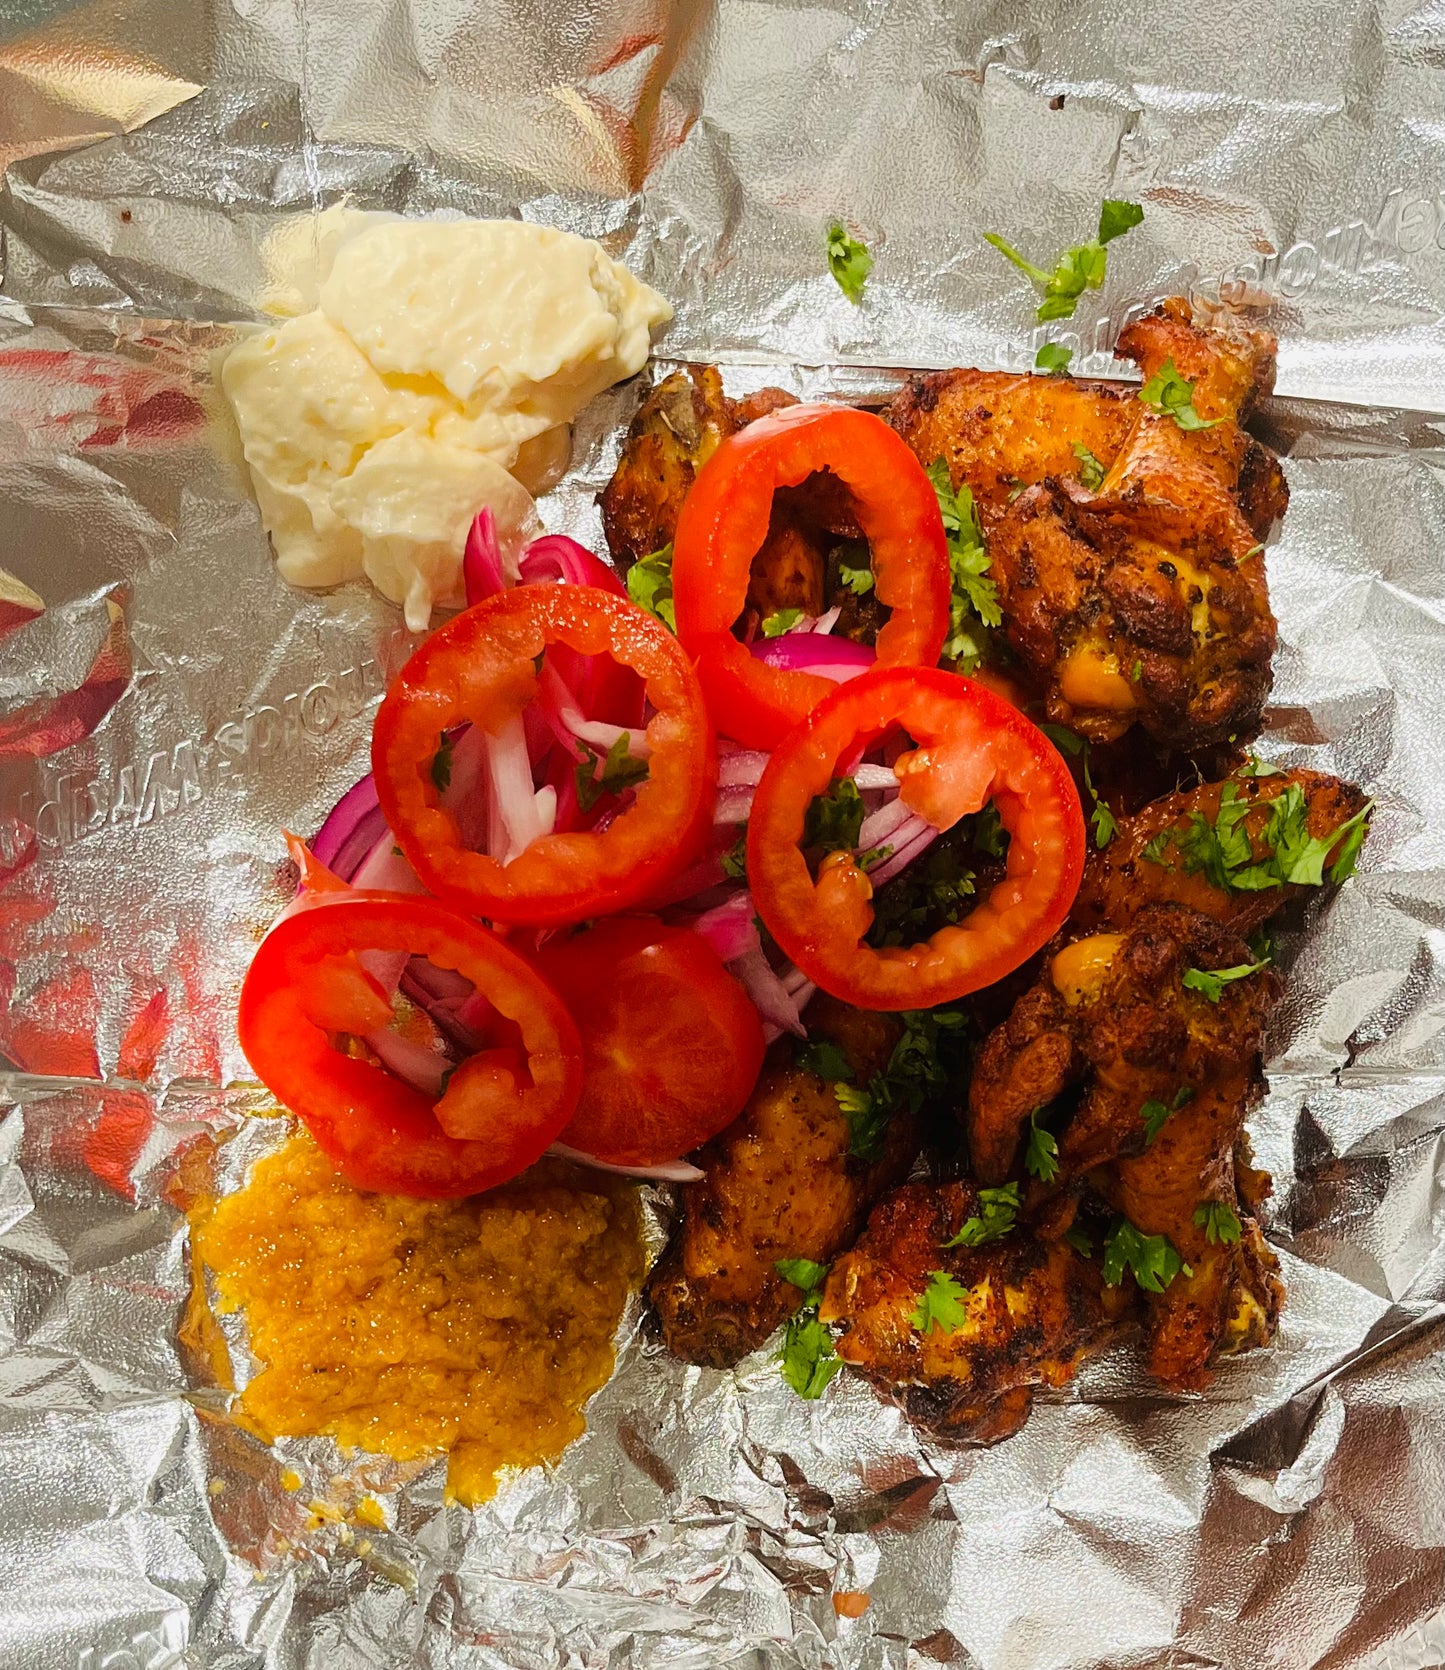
677	429
1034	1310
1141	599
780	1184
1121	879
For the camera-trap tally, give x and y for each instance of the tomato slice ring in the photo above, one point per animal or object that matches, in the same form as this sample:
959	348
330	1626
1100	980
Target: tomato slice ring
724	521
972	746
671	1042
480	667
306	981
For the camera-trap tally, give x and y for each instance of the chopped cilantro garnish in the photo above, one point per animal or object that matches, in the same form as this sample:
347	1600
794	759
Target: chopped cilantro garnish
834	819
1080	1241
924	1062
1104	824
1219	1221
1078	269
859	580
619	771
807	1357
1136	672
1154	1259
441	766
1066	741
1256	767
1053	358
649	585
784	620
942	1304
1211	982
1154	1113
989	835
998	1210
933	892
848	261
1091	470
823	1057
874	856
735	859
974	606
1171	395
1287	852
1041	1157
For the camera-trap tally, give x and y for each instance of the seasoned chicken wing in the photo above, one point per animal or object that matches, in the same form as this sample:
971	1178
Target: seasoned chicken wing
1178	848
1033	1308
1129	566
780	1183
677	429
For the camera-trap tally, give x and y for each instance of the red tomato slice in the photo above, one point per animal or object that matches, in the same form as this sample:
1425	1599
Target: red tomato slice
501	1107
672	1045
724	521
480	667
972	746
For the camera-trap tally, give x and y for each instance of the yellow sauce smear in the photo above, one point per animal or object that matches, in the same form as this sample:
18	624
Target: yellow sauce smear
410	1328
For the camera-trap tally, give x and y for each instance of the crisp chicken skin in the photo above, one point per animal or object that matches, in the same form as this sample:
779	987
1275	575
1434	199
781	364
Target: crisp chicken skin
1143	600
1034	1310
1120	880
678	427
780	1184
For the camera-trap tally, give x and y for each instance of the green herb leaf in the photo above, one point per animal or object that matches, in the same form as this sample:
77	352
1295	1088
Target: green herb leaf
1053	358
784	620
441	766
1136	672
1080	1241
1117	217
1256	767
873	857
1104	824
823	1057
834	819
1091	469
858	580
735	859
989	835
1211	982
942	1304
1171	395
973	604
1219	1221
619	772
998	1211
649	585
1154	1259
1066	741
926	1061
1078	269
807	1357
1041	1157
1154	1113
848	261
804	1273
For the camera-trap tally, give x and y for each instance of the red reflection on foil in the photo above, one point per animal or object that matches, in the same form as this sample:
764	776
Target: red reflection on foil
42	728
112	1144
56	1034
95	400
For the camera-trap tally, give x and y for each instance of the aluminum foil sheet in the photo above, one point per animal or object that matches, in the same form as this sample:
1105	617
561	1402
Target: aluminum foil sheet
177	705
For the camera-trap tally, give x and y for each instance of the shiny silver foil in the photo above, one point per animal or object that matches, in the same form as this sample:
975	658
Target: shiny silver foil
177	705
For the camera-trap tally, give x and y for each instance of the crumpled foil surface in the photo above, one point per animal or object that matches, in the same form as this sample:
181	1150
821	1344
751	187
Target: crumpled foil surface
177	705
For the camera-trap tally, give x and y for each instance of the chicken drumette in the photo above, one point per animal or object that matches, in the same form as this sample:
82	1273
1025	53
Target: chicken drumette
781	1183
1127	549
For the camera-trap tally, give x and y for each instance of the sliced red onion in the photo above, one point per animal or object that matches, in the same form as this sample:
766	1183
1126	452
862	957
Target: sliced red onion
741	767
730	928
602	736
669	1171
826	622
385	868
771	998
879	825
810	652
422	1068
482	559
733	806
875	777
556	557
518	821
352	827
912	837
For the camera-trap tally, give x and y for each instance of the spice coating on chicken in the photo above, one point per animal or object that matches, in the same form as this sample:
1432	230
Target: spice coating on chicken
678	427
780	1183
1034	1310
1130	572
1121	879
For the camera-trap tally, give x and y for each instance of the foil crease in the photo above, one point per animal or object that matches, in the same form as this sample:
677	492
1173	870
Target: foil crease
177	705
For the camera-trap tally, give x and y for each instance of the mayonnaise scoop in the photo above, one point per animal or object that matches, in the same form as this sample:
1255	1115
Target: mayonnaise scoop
437	376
